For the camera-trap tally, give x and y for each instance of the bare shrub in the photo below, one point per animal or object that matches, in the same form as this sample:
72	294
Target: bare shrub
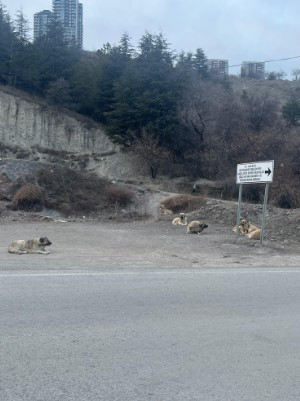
179	203
250	192
121	197
154	156
72	191
29	197
285	190
23	154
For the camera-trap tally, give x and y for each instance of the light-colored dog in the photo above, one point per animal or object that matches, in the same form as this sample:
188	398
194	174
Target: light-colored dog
163	210
251	231
255	234
243	227
36	245
181	220
195	227
252	228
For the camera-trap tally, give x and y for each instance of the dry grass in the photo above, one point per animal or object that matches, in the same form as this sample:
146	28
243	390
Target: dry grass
120	196
73	192
183	203
29	197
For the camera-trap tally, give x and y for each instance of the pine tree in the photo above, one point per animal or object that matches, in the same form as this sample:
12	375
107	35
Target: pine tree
126	48
200	63
21	57
21	28
146	96
7	41
54	58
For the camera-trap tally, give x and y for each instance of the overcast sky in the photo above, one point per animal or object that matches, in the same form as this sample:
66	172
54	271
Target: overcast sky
236	30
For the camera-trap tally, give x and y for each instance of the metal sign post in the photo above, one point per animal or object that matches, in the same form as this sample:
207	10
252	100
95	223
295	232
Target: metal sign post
263	220
252	173
239	212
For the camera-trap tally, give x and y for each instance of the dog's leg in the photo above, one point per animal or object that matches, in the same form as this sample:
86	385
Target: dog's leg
18	252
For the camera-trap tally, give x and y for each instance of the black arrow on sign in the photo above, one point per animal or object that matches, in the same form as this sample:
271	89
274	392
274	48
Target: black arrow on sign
268	171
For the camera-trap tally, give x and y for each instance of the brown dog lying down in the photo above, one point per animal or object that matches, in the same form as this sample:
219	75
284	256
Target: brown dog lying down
36	245
195	227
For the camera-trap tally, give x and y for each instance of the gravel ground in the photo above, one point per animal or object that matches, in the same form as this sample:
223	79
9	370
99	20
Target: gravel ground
139	245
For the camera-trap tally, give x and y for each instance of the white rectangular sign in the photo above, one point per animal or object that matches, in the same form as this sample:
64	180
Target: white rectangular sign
251	173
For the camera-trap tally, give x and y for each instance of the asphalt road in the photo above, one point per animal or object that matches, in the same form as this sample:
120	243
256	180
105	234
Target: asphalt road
206	335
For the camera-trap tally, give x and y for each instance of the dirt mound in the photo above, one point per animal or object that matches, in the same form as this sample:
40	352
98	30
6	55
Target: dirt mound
281	224
32	186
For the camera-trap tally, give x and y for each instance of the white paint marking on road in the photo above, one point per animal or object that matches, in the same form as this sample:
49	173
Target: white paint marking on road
129	273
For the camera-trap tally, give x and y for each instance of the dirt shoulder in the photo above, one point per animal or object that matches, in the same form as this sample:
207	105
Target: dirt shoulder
139	245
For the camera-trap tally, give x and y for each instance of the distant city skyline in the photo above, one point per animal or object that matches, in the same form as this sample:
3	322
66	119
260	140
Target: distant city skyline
233	30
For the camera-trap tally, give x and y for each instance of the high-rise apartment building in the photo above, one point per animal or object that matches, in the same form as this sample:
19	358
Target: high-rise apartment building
217	67
253	69
80	25
41	23
69	13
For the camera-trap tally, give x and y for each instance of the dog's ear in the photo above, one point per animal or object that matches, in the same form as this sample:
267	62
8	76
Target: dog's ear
42	240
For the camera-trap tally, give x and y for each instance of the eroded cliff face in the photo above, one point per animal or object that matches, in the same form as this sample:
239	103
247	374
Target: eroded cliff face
31	129
27	124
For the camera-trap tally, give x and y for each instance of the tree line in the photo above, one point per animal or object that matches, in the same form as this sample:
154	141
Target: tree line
166	105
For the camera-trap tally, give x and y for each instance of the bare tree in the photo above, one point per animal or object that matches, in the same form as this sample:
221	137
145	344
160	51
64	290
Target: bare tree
262	110
153	155
296	73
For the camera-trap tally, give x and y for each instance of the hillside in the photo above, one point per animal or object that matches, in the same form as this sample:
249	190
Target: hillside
281	90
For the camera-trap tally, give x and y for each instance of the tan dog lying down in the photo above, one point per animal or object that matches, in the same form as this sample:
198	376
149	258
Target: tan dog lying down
36	245
252	228
251	231
163	210
255	234
195	227
181	220
243	227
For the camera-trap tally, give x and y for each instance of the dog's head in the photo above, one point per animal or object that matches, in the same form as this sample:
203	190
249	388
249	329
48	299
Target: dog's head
244	224
44	241
182	215
203	225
